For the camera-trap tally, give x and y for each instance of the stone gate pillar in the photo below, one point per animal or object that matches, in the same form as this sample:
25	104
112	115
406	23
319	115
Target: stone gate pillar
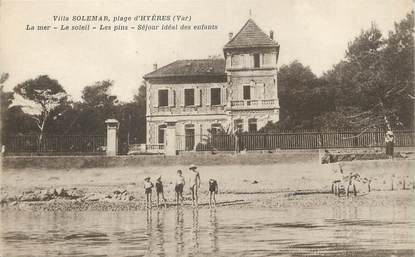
112	136
170	139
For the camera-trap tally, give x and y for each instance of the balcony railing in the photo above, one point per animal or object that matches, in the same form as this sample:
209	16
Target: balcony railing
188	109
154	147
269	103
218	109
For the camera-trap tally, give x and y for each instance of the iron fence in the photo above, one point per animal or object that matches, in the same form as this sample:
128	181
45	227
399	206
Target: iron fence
291	140
55	144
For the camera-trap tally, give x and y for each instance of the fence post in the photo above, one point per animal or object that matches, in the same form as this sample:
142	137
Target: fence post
170	142
112	136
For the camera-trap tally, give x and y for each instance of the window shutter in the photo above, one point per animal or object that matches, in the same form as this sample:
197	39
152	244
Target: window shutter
181	97
156	134
208	96
197	96
155	98
171	97
241	92
261	88
223	95
198	130
153	140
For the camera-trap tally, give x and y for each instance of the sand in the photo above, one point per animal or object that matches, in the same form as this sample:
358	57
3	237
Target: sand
264	186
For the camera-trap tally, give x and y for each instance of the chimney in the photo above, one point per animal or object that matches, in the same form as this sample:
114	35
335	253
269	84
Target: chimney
155	66
230	36
271	34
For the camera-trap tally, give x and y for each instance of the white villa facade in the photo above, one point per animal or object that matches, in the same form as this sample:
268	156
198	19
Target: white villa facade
198	96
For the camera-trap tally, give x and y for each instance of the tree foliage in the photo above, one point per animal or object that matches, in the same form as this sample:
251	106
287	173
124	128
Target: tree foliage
371	88
374	83
302	96
39	98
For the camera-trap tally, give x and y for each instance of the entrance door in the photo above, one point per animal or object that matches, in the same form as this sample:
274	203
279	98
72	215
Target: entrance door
189	139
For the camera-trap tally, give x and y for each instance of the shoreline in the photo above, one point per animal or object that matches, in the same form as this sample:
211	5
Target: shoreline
281	200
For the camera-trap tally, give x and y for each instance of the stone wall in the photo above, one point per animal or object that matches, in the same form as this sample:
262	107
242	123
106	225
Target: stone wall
79	162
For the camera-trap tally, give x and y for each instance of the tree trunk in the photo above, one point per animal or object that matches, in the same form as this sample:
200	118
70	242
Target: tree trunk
40	144
42	127
385	117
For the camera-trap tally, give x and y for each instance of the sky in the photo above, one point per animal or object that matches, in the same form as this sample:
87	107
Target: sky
315	32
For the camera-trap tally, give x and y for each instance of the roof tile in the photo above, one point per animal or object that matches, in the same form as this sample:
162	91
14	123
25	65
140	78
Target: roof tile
250	36
203	67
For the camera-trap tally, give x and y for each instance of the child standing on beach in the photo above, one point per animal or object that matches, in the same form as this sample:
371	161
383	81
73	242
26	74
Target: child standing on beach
194	184
159	191
213	190
179	187
148	185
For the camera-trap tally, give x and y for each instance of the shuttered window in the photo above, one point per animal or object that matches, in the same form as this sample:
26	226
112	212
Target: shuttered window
247	92
252	125
161	133
189	97
256	61
215	96
163	97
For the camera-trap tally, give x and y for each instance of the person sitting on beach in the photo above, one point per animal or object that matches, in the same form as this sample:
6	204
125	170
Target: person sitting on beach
179	187
159	191
194	184
148	185
213	190
337	181
353	178
327	157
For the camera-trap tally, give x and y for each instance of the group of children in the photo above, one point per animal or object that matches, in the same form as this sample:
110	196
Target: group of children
178	188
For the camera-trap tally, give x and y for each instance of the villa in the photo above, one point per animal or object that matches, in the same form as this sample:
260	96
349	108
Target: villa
210	95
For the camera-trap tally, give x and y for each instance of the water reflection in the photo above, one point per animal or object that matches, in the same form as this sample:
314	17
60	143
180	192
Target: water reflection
155	232
179	231
212	232
187	229
160	228
149	230
195	230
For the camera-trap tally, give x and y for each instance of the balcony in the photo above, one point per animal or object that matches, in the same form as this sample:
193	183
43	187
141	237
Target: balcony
180	110
254	104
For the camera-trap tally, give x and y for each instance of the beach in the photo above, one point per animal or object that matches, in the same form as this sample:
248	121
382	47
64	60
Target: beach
247	186
282	209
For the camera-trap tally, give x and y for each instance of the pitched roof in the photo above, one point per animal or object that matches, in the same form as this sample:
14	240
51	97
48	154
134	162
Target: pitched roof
203	67
250	36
